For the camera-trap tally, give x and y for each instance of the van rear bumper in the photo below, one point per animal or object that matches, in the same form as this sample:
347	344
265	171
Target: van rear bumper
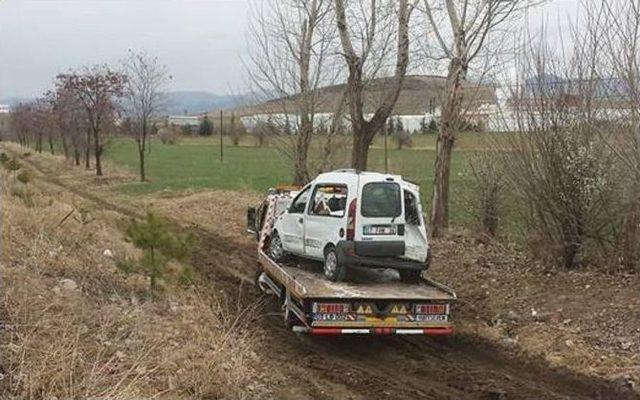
362	253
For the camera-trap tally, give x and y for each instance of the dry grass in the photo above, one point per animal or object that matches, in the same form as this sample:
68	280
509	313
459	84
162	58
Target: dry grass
73	327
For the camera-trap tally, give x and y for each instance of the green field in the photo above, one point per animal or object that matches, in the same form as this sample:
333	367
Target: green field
194	163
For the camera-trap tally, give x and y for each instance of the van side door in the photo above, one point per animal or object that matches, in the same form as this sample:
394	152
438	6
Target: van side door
293	223
326	218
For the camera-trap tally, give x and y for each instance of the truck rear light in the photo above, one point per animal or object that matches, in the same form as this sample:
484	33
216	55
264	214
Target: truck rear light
351	220
331	308
431	309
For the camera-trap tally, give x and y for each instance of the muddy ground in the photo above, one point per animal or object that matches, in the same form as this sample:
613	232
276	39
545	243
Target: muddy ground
516	337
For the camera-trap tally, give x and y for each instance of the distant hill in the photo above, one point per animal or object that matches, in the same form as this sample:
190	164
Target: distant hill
178	102
14	101
195	102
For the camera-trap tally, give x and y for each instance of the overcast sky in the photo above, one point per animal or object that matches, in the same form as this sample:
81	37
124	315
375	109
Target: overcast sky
201	42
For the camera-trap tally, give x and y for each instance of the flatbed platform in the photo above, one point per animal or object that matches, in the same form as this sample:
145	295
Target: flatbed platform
306	281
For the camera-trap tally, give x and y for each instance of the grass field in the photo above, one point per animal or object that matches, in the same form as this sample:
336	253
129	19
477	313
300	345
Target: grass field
194	163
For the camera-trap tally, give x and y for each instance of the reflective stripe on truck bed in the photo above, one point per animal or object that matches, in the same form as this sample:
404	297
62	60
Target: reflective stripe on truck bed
373	331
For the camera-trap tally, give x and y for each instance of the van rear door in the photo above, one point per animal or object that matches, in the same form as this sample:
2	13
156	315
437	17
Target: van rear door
380	212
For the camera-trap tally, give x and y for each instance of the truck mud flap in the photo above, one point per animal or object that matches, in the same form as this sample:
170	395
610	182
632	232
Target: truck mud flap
444	331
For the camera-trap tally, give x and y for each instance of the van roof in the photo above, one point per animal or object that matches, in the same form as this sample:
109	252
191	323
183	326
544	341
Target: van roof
339	174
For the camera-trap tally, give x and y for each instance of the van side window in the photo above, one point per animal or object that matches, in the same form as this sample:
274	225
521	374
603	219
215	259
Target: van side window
329	200
300	202
411	213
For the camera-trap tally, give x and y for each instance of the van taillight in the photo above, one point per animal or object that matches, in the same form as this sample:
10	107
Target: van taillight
351	220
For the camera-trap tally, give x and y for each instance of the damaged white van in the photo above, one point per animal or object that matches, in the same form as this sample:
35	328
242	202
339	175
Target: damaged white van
346	218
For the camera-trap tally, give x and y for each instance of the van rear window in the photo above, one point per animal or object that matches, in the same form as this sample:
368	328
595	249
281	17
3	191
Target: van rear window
381	199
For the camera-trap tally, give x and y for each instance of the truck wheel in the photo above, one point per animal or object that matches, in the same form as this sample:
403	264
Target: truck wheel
276	251
410	276
333	270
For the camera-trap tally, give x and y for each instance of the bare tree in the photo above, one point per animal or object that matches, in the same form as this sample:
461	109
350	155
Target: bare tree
461	29
291	41
614	30
96	88
145	99
366	57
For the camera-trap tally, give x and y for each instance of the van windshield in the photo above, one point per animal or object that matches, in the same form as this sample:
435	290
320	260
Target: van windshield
381	199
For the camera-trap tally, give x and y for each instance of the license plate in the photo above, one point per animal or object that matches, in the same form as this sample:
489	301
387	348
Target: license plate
431	318
380	230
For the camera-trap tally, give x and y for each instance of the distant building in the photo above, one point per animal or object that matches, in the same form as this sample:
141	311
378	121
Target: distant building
418	103
4	109
184	120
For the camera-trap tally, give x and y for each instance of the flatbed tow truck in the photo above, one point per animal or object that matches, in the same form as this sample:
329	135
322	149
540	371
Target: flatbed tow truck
373	301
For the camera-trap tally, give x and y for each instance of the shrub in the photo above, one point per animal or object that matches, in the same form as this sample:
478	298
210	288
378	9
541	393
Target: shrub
13	165
159	245
566	184
3	158
488	188
206	127
402	139
168	136
24	176
433	126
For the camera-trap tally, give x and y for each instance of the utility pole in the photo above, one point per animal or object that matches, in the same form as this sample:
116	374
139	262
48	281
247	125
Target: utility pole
386	151
221	137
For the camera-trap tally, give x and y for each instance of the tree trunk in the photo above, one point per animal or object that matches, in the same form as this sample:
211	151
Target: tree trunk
50	140
142	173
76	155
440	199
87	150
360	151
142	141
449	123
65	147
300	169
98	151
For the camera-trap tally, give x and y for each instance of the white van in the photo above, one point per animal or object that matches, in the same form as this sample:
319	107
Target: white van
346	218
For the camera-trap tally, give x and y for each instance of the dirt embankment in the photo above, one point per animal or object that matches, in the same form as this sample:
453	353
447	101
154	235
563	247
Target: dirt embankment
503	350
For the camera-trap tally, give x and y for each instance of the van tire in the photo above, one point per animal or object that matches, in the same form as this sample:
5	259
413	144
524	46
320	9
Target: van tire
332	268
410	275
275	250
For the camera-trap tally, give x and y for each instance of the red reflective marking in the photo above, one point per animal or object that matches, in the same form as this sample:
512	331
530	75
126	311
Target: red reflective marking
438	331
326	331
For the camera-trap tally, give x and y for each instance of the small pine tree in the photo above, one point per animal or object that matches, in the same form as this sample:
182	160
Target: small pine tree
424	128
159	245
206	127
433	126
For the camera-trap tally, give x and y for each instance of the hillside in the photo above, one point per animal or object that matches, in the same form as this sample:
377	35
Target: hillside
194	102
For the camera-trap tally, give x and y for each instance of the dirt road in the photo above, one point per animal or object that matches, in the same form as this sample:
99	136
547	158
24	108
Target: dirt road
302	367
459	367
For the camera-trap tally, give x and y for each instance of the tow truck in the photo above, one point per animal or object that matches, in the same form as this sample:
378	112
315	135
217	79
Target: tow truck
371	302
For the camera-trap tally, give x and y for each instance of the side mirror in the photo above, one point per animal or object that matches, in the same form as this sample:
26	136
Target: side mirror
251	221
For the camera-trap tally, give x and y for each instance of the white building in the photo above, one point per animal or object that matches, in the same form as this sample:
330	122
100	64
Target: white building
4	109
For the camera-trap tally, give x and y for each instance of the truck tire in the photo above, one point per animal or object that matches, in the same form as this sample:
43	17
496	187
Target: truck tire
333	270
410	275
276	251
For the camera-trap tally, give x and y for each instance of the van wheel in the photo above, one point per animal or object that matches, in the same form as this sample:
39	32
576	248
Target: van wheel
410	275
276	251
333	270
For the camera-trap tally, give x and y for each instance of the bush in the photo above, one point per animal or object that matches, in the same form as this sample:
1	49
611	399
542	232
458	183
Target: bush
168	136
488	190
159	245
402	139
24	176
3	158
566	184
12	165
